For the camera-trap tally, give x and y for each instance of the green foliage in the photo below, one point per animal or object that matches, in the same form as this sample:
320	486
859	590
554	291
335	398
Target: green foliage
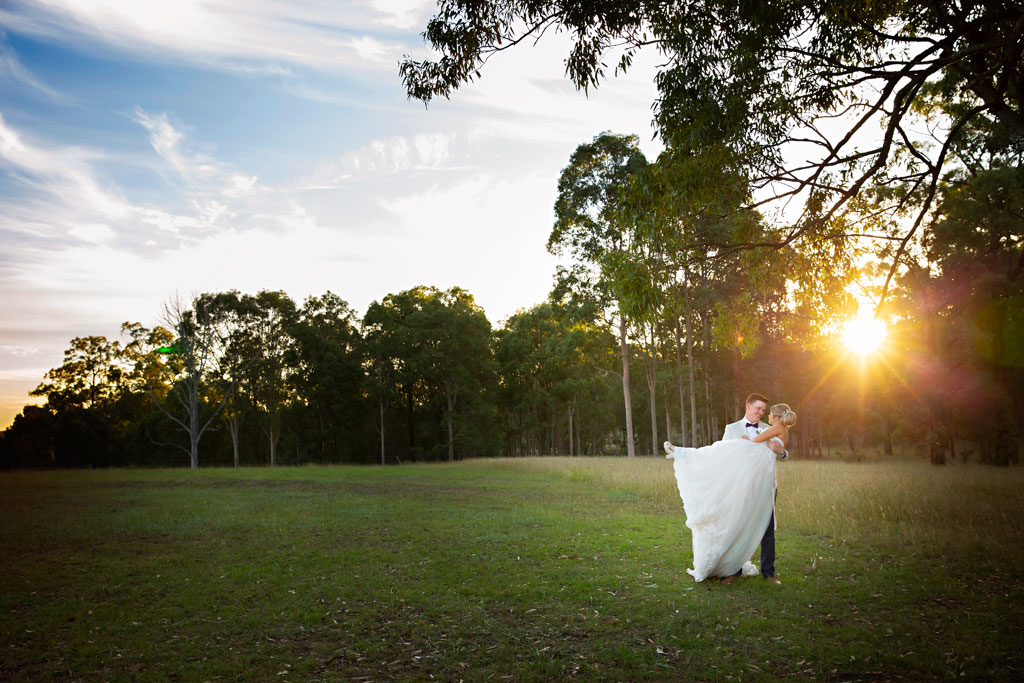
784	98
555	393
88	377
433	348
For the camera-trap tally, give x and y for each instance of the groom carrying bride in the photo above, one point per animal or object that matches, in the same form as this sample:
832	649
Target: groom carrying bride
728	493
749	427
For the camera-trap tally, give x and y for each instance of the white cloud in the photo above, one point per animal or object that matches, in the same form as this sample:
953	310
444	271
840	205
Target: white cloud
17	352
371	49
226	33
92	232
240	186
166	139
393	156
404	14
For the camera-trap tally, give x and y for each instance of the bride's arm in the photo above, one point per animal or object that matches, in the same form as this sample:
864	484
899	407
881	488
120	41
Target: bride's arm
775	430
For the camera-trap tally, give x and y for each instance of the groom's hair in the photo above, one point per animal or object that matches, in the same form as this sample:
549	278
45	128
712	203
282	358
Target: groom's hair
756	397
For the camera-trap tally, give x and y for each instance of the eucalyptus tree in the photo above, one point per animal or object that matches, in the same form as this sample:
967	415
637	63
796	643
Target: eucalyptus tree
90	374
638	279
790	92
433	347
325	362
546	358
382	358
589	226
142	361
198	389
391	348
262	339
454	340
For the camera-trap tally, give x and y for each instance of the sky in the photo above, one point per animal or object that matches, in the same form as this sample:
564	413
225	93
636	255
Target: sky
149	149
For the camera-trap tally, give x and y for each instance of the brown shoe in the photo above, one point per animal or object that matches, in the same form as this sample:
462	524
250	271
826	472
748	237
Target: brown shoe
772	579
728	580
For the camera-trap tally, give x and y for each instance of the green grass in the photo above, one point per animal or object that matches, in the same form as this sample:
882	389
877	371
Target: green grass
529	569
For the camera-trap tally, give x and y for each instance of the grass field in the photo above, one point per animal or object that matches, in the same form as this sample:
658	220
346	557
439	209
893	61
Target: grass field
527	569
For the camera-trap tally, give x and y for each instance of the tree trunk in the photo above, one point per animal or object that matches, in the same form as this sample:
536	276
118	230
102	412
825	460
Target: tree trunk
570	431
412	429
233	426
193	429
683	437
627	401
451	426
579	435
451	440
689	361
707	382
652	388
381	402
323	437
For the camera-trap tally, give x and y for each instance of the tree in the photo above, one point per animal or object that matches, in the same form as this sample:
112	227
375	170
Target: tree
453	336
198	388
382	362
90	375
261	337
588	226
391	346
551	383
788	93
434	347
326	364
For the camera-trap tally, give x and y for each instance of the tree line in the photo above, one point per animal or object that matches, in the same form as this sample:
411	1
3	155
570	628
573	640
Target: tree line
641	339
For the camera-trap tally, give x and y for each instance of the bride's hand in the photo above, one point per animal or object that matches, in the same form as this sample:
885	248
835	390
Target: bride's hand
745	437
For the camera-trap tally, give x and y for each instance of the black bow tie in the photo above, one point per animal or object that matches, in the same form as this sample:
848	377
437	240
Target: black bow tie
752	424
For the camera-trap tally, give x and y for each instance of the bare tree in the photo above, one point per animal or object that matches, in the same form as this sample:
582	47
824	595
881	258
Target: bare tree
202	328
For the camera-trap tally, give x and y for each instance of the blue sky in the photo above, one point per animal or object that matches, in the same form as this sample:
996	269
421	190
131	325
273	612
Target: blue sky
151	148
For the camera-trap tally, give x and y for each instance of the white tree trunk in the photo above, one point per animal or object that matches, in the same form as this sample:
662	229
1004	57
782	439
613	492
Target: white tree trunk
684	439
233	426
272	436
652	387
626	399
689	360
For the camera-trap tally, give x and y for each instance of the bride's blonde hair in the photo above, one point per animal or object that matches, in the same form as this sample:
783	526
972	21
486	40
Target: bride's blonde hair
784	413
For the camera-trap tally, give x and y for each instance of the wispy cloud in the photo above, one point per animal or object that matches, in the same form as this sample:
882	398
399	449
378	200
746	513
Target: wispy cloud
404	14
426	152
166	139
62	175
14	74
257	36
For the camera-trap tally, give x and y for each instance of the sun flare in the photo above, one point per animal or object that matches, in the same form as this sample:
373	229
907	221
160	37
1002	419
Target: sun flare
864	335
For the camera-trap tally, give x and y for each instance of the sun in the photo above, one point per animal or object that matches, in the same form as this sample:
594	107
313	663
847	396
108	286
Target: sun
864	336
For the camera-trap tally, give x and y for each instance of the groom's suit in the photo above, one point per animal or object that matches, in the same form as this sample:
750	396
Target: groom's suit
737	430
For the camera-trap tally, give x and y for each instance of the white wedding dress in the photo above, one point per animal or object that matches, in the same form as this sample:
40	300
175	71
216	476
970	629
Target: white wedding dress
728	492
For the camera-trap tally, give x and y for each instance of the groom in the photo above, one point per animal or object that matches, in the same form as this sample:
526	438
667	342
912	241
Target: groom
750	426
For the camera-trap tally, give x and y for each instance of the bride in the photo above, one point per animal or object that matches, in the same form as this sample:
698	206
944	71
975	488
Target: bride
728	492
